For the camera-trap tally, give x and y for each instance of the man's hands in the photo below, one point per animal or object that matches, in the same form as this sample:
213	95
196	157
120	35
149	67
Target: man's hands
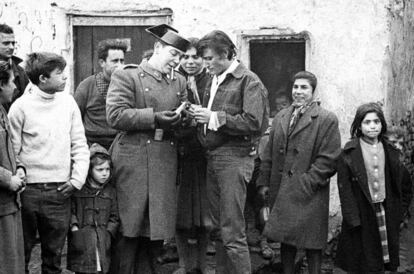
66	189
200	114
167	118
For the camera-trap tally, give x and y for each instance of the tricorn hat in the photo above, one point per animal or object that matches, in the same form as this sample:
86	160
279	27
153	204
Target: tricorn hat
169	36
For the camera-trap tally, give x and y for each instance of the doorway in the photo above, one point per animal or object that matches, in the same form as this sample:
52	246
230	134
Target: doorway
275	62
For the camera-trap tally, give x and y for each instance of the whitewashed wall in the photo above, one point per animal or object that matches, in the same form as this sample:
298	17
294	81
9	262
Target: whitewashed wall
349	38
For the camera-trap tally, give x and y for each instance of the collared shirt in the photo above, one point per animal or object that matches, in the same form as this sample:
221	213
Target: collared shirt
374	160
213	124
102	84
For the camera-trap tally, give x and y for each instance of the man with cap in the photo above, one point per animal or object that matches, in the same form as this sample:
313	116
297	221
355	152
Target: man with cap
232	119
7	45
140	103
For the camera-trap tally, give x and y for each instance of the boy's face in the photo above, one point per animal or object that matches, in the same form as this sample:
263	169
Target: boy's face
398	142
55	83
7	90
101	172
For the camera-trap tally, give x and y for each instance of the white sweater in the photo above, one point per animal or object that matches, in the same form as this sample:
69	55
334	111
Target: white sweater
48	137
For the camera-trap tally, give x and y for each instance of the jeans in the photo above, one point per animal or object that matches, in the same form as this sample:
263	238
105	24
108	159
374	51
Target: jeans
46	211
227	177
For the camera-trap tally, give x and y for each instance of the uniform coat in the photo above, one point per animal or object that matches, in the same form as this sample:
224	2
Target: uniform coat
359	247
145	170
297	168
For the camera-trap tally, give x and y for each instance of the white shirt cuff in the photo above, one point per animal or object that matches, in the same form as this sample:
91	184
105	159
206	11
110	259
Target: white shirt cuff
213	123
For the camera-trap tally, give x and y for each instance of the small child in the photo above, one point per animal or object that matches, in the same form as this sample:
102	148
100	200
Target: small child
12	180
94	217
372	186
49	140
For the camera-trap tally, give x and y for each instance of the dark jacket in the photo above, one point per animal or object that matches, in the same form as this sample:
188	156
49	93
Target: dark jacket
9	201
20	79
95	212
359	247
242	110
297	168
191	179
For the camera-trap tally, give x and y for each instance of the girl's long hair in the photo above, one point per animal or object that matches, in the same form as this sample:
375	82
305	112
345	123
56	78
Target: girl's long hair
361	112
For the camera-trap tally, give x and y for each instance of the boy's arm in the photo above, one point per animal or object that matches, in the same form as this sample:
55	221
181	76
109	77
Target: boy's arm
16	120
79	149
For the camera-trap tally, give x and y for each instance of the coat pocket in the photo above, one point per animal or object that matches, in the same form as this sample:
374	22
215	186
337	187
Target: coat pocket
81	242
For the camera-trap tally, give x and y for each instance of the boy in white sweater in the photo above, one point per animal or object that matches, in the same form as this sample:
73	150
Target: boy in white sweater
49	140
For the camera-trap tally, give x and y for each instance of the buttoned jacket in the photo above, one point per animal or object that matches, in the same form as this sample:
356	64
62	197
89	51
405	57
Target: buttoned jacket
144	169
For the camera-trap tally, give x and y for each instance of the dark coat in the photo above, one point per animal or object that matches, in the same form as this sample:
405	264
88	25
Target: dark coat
145	170
20	80
9	200
297	169
95	212
191	180
359	247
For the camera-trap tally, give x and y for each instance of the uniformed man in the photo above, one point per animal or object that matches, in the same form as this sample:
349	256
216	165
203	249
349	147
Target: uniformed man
140	103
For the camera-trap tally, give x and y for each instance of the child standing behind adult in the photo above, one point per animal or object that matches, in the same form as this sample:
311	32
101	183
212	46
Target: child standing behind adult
49	140
374	190
94	217
12	180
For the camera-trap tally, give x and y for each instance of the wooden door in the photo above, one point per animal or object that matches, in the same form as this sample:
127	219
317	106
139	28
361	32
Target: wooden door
275	62
86	39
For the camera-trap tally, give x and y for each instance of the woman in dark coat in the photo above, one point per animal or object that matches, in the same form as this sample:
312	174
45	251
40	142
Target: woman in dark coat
191	200
297	163
375	190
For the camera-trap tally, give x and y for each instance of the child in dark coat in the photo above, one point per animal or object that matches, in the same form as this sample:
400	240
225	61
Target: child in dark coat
94	217
375	190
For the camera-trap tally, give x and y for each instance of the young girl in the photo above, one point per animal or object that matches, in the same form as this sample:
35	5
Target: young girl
94	217
370	180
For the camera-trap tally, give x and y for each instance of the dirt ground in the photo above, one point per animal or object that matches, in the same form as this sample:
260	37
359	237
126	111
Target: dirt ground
259	265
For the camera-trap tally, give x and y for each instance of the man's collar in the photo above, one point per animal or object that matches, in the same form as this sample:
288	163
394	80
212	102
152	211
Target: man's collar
151	70
233	66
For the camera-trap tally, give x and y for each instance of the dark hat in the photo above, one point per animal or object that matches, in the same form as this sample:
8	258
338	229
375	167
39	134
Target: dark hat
169	36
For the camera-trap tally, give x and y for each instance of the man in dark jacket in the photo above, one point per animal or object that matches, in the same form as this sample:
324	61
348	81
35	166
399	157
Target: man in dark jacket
233	116
7	44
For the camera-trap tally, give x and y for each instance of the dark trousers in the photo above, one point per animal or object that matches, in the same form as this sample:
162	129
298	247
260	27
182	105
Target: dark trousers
136	255
46	211
227	176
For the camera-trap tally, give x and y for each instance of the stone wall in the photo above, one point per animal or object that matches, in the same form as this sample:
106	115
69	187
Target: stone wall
400	96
